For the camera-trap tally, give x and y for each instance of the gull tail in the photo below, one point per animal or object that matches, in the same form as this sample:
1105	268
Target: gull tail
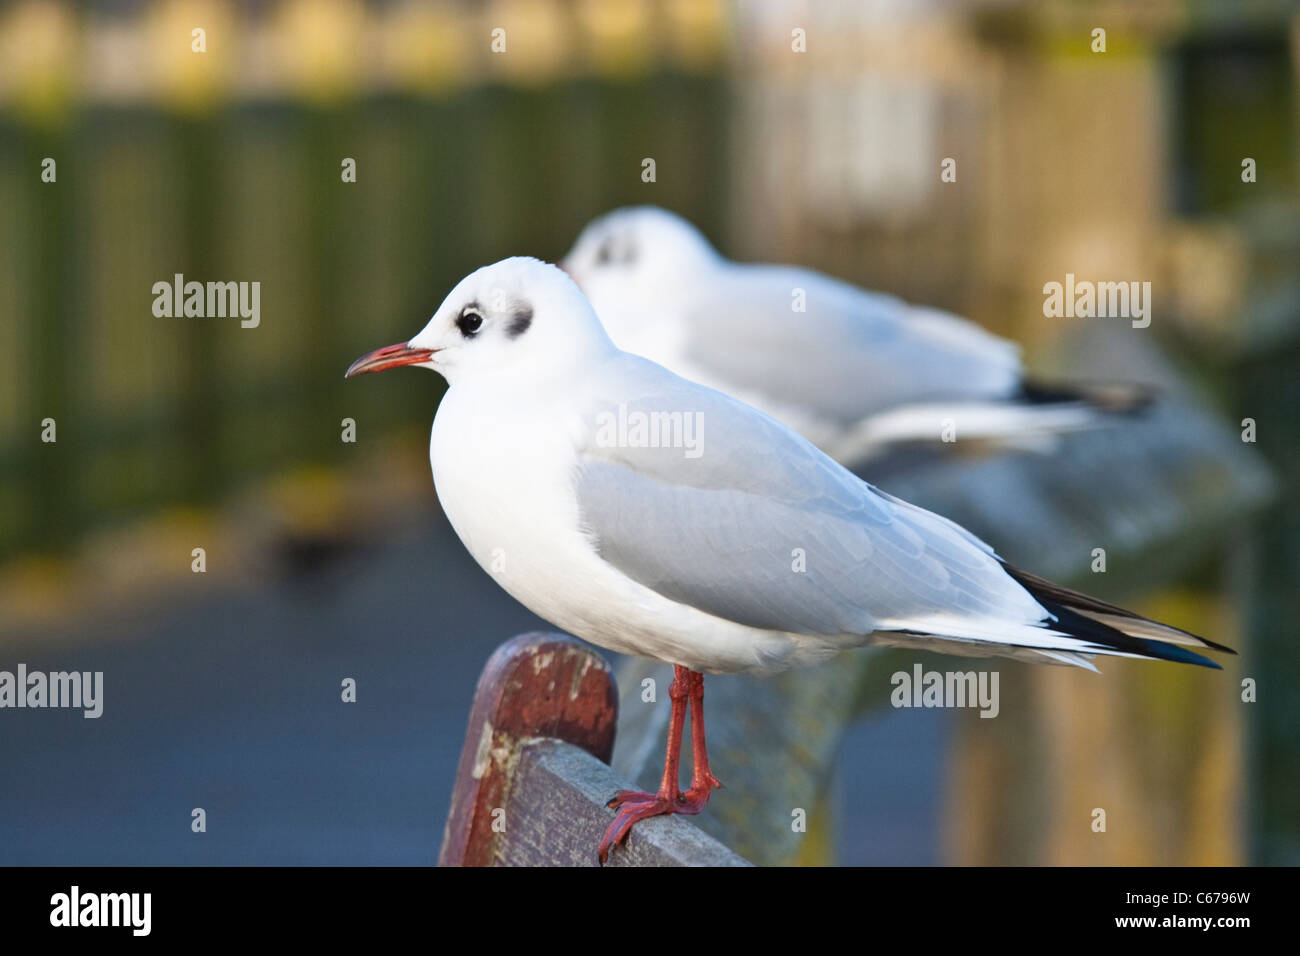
1112	630
1032	418
1076	629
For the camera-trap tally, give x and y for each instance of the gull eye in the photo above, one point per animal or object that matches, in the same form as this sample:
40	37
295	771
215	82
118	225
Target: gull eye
469	323
605	254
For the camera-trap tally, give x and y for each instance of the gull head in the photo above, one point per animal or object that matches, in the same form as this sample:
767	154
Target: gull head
636	250
516	317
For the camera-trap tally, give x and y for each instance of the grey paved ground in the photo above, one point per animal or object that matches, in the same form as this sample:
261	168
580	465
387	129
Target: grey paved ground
233	705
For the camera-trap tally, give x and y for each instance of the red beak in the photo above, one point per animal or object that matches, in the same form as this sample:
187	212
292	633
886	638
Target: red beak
392	356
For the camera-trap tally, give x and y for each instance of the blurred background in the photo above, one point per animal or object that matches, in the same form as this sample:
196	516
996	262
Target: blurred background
329	559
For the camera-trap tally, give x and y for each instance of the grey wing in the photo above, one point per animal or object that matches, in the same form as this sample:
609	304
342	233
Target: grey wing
850	353
763	529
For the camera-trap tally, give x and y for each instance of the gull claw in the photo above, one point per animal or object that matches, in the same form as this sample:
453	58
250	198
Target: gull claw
634	806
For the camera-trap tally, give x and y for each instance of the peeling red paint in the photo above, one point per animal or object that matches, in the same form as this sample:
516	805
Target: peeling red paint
534	685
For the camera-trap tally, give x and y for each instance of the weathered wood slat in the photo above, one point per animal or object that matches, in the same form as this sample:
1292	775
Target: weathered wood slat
534	685
556	815
533	779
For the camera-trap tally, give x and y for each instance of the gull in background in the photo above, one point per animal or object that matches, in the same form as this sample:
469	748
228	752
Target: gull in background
854	372
676	540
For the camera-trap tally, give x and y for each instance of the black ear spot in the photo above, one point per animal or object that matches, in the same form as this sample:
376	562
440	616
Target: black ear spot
519	322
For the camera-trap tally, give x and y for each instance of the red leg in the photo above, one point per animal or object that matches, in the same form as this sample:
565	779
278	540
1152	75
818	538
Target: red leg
633	805
702	781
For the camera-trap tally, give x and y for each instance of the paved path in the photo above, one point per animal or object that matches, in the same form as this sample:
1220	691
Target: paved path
233	705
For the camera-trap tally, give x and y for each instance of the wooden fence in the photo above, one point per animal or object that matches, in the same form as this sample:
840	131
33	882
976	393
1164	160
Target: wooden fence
155	411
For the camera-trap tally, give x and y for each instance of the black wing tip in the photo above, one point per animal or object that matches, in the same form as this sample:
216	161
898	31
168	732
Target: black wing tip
1159	651
1061	602
1212	645
1104	637
1119	398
